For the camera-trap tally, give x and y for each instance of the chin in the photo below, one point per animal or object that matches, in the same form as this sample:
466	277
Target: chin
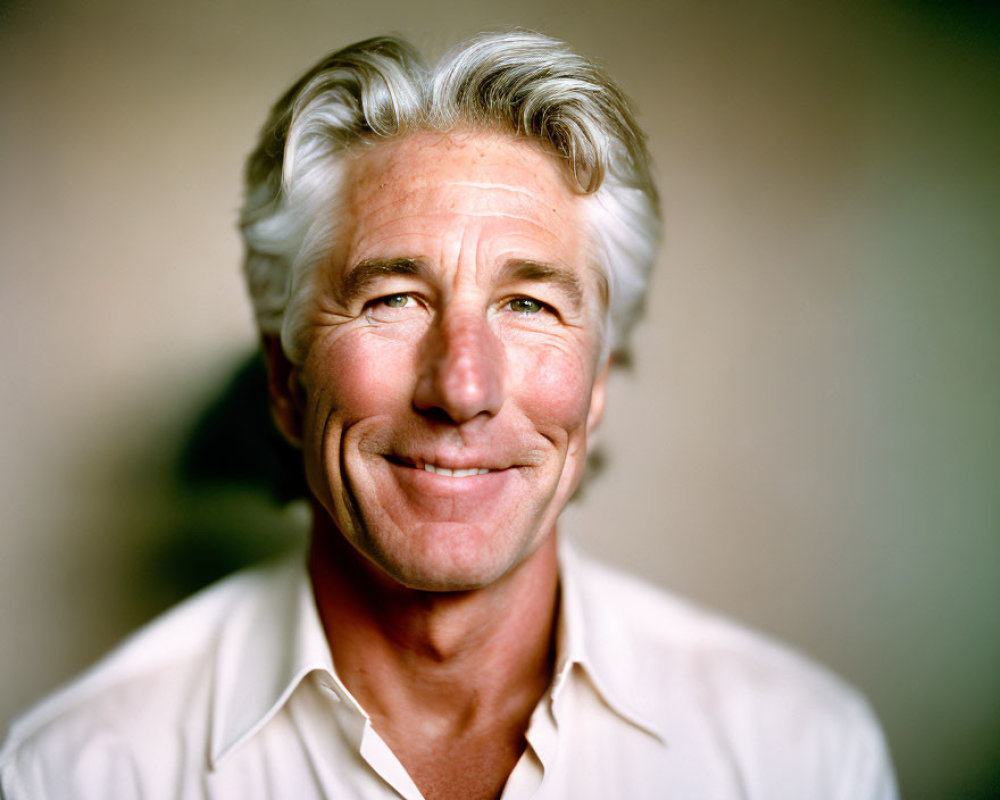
448	556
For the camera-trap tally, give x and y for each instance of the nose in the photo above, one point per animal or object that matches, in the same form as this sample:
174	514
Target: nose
461	371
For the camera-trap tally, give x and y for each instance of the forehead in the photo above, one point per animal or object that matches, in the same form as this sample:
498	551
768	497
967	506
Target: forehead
482	182
432	159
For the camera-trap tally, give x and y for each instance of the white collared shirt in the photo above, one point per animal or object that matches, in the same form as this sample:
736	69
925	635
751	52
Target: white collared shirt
233	695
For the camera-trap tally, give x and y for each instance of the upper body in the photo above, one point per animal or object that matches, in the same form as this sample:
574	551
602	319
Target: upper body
234	695
443	262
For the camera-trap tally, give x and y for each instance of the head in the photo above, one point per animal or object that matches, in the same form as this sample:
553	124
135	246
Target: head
441	261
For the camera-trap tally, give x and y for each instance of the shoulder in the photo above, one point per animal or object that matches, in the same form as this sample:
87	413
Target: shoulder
674	637
770	712
149	697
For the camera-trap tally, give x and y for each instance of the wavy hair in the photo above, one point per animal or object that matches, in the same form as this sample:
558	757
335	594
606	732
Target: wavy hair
519	82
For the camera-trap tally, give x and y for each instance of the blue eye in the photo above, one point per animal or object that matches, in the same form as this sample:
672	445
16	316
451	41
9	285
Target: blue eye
526	305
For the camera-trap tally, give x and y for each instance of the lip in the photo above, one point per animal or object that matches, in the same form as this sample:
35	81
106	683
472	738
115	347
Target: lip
418	482
471	472
448	467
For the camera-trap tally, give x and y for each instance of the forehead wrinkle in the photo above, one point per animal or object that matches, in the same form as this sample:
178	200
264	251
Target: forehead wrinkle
372	228
505	215
491	185
395	198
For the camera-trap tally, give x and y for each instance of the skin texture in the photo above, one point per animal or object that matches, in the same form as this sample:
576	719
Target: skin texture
465	358
456	325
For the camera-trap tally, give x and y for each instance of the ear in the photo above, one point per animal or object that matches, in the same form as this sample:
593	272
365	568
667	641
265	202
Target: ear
284	390
597	395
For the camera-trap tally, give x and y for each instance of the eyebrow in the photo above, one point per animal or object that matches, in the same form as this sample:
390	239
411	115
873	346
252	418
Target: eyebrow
561	277
361	276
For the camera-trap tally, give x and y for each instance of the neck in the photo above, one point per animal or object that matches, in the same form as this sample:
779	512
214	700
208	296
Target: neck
455	661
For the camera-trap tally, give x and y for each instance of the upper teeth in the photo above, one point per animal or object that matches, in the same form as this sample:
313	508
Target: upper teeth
455	473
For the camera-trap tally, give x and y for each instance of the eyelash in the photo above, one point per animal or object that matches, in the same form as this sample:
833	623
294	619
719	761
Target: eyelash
406	296
542	307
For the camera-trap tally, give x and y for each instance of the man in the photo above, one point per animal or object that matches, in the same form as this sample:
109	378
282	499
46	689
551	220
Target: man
443	262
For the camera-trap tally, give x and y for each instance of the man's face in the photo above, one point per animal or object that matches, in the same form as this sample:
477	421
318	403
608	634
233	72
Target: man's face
452	373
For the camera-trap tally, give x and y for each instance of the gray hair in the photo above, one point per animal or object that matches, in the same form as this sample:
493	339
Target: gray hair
518	82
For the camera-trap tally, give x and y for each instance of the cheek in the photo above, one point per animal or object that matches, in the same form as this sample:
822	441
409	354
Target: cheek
360	373
554	383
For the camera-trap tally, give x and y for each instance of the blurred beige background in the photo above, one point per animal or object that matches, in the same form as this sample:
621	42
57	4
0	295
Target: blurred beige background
809	440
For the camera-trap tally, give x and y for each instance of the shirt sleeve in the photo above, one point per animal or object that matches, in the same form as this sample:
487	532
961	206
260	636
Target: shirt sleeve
55	770
868	774
9	789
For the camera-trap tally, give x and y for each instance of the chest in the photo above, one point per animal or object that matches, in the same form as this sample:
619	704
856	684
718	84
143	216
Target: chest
474	766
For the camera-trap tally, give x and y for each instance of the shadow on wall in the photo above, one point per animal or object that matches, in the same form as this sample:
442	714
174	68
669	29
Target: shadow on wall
239	489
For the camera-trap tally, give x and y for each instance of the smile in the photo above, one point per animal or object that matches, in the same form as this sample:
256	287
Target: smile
455	473
436	469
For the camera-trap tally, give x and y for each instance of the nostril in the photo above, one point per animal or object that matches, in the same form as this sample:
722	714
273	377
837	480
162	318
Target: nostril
436	414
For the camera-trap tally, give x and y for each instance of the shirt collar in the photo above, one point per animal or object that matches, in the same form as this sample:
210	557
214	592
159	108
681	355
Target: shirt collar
594	637
273	638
